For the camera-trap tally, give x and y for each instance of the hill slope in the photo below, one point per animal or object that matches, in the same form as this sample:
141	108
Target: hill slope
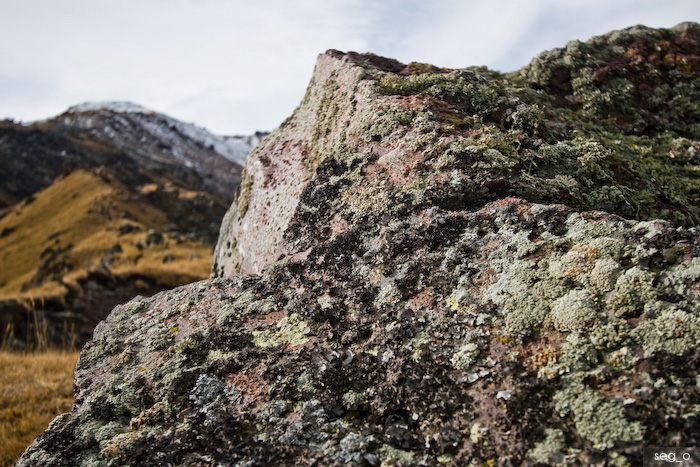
93	182
84	245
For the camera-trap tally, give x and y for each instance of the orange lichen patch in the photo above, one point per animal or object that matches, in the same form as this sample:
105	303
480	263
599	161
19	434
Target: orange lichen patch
543	356
253	387
573	272
591	252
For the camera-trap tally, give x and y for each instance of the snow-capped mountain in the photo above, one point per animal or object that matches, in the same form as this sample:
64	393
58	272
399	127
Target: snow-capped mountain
158	138
233	148
137	146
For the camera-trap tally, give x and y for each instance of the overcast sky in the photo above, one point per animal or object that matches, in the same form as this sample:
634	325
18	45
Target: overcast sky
239	66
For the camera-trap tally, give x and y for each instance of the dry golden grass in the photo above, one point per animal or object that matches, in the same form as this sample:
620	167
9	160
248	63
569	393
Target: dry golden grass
34	388
80	215
81	210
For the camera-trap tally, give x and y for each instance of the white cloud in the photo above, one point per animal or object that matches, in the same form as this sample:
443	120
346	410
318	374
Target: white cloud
238	66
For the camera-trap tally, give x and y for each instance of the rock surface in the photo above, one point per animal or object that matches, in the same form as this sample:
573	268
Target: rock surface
431	267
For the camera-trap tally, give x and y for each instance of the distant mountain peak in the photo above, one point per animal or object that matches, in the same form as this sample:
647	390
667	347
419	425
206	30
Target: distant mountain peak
233	148
113	106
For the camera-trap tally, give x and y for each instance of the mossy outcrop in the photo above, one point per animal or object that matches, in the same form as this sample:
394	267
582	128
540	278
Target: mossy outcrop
427	267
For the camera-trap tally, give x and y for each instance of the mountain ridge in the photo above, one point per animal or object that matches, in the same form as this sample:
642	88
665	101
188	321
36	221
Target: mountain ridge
236	153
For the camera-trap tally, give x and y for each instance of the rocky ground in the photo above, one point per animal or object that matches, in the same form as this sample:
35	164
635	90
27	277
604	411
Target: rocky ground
431	267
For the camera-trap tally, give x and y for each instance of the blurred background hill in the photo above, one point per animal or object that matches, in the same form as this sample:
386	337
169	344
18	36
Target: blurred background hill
99	204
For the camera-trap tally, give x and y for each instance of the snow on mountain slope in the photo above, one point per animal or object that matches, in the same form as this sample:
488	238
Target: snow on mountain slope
114	106
233	148
152	140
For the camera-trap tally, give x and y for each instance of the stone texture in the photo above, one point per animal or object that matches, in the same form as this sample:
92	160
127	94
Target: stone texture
423	267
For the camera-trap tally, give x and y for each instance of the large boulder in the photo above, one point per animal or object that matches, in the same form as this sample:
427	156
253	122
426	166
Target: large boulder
425	267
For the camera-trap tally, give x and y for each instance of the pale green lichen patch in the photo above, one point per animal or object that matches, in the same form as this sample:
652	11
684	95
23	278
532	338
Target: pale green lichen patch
599	420
235	308
632	291
290	331
305	383
417	341
604	274
674	331
391	456
577	354
465	356
551	449
354	399
217	355
575	311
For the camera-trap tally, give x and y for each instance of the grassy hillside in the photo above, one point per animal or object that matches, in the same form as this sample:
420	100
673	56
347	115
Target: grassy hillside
88	228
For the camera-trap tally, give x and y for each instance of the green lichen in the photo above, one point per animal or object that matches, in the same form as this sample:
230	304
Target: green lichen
632	291
604	274
417	341
578	354
391	456
575	311
551	449
674	331
354	398
465	356
291	331
366	204
475	432
525	311
305	383
599	420
237	306
382	126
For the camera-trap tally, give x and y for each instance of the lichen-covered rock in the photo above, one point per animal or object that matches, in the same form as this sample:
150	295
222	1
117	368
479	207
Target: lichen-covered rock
440	267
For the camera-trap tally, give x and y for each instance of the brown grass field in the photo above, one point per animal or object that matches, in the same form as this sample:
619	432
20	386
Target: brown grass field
34	388
78	219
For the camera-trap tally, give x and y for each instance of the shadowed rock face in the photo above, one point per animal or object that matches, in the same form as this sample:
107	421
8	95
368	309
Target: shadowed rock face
423	267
